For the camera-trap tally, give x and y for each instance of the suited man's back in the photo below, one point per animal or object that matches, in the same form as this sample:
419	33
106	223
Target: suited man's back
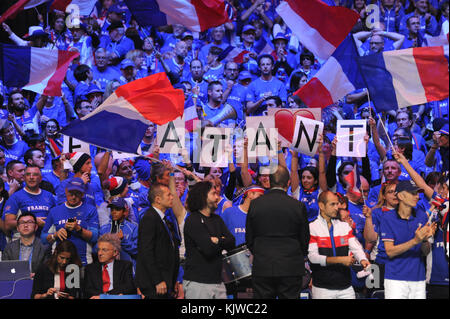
158	258
277	233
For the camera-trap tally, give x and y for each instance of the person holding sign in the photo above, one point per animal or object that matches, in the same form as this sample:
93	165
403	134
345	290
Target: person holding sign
312	181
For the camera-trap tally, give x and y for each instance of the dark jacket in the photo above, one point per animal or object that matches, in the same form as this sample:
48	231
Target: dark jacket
277	234
158	258
203	257
12	250
122	279
45	279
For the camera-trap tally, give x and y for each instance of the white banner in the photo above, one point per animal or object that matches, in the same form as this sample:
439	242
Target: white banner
262	137
306	135
171	136
214	151
350	138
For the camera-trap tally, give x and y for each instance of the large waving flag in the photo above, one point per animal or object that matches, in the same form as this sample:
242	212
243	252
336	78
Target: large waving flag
400	78
319	27
339	76
36	69
196	15
120	122
13	10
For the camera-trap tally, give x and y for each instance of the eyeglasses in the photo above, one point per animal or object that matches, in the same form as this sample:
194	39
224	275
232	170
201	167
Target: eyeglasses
30	222
104	250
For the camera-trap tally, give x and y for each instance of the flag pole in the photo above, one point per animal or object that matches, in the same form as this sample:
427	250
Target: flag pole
381	121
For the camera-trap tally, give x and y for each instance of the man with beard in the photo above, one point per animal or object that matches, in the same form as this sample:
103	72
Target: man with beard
205	235
215	106
264	87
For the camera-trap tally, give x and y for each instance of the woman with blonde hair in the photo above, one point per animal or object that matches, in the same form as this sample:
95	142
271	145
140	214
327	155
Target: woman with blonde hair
139	59
110	88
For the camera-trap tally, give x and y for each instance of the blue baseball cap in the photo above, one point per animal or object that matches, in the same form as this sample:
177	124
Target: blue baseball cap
282	36
248	27
126	63
244	75
444	129
76	184
118	202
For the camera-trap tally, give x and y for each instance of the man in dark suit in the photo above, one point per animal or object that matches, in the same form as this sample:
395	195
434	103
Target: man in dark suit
158	257
108	275
277	234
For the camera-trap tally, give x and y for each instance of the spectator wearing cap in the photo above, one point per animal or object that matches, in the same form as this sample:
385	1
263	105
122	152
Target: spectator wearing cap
102	72
438	156
264	87
83	42
75	220
82	166
126	231
36	37
428	22
214	68
128	70
94	95
282	56
405	232
113	14
193	46
218	40
234	92
116	43
245	78
248	37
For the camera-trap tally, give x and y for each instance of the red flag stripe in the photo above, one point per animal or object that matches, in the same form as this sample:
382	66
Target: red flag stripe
333	23
210	13
315	94
13	10
433	71
53	87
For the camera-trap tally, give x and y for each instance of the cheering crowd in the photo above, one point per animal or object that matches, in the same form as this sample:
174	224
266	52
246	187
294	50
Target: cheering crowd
157	225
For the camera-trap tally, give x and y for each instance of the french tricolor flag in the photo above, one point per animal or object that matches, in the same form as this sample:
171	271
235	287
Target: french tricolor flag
339	76
120	122
196	15
234	54
36	69
400	78
319	27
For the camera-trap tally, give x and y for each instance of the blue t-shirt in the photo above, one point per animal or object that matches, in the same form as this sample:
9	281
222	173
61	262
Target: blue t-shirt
258	87
87	218
377	215
214	74
38	204
359	219
437	264
408	266
310	201
92	196
236	99
106	76
235	219
15	151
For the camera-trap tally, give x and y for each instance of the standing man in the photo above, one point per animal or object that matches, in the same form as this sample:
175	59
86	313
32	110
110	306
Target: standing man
158	258
277	234
206	236
331	242
405	232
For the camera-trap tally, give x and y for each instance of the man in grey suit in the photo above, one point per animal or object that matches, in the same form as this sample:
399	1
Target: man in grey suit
277	234
28	246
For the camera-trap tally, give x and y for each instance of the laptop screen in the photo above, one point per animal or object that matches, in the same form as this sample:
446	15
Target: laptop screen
11	270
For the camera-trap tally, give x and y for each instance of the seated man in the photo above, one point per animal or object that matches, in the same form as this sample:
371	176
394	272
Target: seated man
108	275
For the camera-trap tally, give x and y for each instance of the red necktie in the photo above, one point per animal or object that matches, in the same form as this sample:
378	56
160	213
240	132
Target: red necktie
62	282
105	277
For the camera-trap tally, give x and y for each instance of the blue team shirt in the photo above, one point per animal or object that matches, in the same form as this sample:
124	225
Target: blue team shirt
359	219
310	201
408	266
87	218
377	215
106	76
15	151
38	204
258	87
235	219
437	264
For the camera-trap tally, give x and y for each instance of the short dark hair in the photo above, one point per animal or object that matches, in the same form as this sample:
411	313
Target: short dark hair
276	98
156	170
29	154
198	195
24	214
155	190
11	164
81	72
268	56
215	50
280	178
307	55
212	83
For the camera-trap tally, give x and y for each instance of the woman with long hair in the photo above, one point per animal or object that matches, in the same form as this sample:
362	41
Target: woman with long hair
50	279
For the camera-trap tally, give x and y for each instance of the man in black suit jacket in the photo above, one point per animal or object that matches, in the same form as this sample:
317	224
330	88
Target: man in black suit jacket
108	275
158	257
277	234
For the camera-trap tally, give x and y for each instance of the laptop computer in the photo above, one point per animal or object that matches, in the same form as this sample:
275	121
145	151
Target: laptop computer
11	270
